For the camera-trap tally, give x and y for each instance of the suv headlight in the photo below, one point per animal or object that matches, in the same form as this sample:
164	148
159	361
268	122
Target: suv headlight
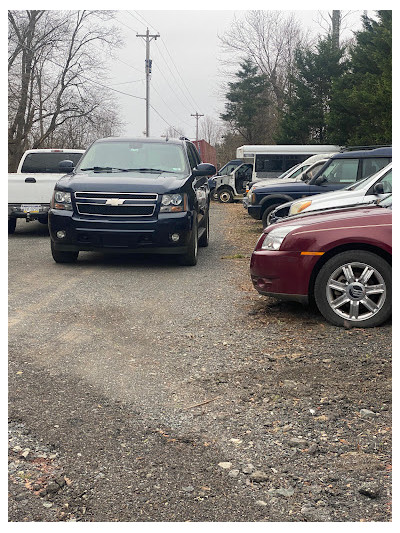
297	207
173	203
61	200
275	237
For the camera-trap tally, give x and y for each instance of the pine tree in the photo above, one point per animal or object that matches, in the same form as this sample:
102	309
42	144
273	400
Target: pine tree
361	111
247	107
304	120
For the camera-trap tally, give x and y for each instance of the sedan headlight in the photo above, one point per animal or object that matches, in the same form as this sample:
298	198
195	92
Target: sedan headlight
61	200
297	207
173	203
275	237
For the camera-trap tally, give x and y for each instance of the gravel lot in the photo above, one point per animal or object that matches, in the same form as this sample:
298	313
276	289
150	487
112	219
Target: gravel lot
141	391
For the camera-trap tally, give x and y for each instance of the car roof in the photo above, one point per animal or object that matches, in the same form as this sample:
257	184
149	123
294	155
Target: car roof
143	140
376	152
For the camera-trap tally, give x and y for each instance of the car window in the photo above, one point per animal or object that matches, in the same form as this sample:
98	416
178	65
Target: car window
47	161
298	171
245	171
387	182
312	171
196	155
191	156
343	171
371	165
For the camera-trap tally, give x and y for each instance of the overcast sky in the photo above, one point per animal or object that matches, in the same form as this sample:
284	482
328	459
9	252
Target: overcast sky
186	71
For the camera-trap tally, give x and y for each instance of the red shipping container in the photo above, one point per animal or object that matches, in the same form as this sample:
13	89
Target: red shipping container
208	154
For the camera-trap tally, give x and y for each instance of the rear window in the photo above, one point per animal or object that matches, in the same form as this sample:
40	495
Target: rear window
278	162
372	165
48	161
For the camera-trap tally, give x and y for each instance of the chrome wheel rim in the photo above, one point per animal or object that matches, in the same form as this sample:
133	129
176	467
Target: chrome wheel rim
225	197
356	291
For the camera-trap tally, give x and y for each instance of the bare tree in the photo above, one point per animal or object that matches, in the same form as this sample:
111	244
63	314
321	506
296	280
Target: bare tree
173	132
211	130
334	23
55	73
269	39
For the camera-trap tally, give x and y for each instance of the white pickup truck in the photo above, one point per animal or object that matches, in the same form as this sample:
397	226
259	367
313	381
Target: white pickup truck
30	188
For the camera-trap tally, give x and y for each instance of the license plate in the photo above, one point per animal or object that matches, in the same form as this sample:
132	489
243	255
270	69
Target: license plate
30	208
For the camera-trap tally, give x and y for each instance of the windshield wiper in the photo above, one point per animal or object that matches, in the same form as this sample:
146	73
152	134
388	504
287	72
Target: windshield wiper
150	170
114	169
107	169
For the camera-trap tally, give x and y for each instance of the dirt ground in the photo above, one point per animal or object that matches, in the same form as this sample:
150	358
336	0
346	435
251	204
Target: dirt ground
158	405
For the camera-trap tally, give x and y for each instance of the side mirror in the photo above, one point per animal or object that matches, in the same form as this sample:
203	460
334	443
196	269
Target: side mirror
204	169
320	180
66	166
378	188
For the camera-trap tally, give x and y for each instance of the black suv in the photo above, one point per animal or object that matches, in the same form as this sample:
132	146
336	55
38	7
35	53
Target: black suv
341	170
132	195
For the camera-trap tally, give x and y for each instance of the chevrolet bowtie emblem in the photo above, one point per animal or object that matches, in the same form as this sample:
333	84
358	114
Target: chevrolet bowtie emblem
114	201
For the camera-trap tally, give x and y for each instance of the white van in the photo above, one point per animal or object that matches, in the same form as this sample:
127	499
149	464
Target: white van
270	161
284	159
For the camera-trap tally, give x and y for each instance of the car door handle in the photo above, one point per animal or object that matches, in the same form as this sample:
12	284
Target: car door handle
30	180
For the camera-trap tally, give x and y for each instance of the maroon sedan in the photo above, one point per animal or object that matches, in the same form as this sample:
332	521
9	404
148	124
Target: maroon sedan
340	259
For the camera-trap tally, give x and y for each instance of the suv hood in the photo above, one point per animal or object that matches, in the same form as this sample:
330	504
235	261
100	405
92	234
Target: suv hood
121	182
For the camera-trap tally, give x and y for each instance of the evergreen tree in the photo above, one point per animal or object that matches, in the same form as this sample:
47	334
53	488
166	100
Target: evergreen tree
247	107
304	120
361	111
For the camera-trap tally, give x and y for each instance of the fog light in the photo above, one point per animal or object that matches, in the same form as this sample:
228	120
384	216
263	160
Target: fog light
175	237
61	234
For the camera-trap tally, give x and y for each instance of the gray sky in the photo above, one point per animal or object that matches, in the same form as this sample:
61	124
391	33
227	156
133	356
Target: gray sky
186	72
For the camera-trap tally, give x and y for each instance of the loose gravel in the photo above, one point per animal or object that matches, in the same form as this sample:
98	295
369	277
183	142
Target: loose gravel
143	391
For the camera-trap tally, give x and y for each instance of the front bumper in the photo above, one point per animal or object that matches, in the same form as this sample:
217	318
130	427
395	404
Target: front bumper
28	211
282	274
254	211
138	236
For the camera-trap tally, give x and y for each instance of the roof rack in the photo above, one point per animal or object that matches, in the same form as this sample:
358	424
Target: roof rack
371	147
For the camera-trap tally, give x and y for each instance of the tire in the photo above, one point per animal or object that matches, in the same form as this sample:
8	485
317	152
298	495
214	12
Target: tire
43	220
225	195
63	257
189	258
12	224
214	195
267	214
344	300
204	239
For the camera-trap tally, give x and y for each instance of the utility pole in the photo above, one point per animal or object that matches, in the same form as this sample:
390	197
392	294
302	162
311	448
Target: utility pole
197	115
148	62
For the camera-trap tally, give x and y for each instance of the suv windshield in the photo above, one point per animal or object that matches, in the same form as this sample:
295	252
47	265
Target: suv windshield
126	156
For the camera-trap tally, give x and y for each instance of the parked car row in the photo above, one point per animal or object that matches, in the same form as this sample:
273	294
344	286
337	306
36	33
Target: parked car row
333	249
341	170
153	196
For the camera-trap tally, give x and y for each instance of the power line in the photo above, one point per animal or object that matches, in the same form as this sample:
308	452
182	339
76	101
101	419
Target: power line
100	84
183	81
146	22
191	103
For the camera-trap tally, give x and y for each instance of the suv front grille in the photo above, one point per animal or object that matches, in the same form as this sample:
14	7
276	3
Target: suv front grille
115	205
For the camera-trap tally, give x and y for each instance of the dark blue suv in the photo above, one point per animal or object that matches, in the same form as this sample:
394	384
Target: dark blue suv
132	195
339	171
